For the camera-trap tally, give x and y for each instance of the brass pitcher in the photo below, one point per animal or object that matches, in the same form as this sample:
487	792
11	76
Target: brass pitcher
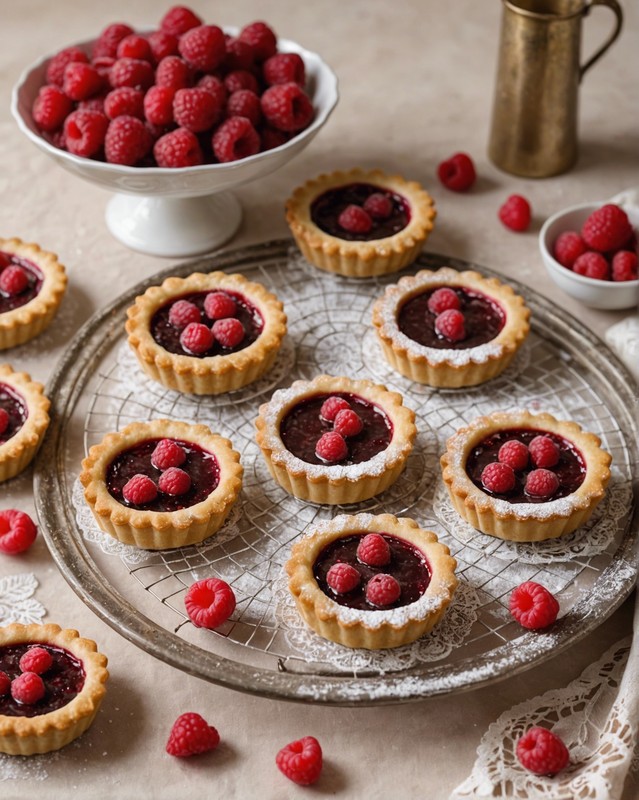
534	124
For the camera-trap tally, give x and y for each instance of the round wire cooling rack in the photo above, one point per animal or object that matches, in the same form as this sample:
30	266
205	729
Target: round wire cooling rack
264	648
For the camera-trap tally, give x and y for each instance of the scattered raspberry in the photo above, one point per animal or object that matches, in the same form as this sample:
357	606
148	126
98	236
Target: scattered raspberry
515	213
286	107
543	452
162	44
81	80
17	531
191	735
157	106
57	65
203	47
84	132
4	420
174	481
197	338
134	46
331	447
374	550
541	483
239	55
342	578
271	137
131	72
241	79
541	751
301	761
209	602
348	422
245	103
451	325
332	406
457	172
167	453
108	41
533	606
195	109
172	71
624	266
443	300
355	220
284	68
607	228
127	141
124	101
383	590
5	684
179	20
514	454
592	265
234	139
568	247
179	148
13	280
50	108
182	312
218	305
498	478
36	659
139	490
27	688
228	332
378	205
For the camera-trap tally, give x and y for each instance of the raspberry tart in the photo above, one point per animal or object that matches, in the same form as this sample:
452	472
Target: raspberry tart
24	419
334	440
360	223
448	328
371	581
32	284
51	686
161	484
525	477
207	333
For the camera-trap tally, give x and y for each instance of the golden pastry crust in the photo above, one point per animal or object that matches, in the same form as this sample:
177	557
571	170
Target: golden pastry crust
371	629
360	259
159	530
18	451
214	374
524	522
450	368
27	321
46	732
335	484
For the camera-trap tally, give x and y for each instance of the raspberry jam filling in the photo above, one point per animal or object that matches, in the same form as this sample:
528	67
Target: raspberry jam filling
570	468
303	426
201	466
34	282
16	410
62	681
326	210
168	336
407	565
483	320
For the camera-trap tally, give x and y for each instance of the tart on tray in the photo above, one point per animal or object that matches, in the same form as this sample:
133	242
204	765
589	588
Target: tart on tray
32	284
360	223
448	328
51	686
161	484
207	333
334	440
525	477
371	581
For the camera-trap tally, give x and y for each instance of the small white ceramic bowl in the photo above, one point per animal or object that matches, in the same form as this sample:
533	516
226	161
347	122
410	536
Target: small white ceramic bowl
591	292
178	212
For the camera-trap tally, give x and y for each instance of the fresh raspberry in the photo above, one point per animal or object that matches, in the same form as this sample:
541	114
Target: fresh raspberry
541	751
103	64
331	447
543	451
81	81
378	205
13	280
286	107
241	79
57	65
124	101
301	761
260	38
514	454
17	531
174	481
373	550
4	420
36	659
442	300
234	139
216	87
568	247
343	578
139	490
533	606
284	68
592	265
167	453
108	41
92	104
158	105
134	46
50	108
607	228
498	478
348	422
127	141
451	325
203	47
131	72
218	305
457	172
27	688
515	213
541	483
228	332
179	148
182	312
271	137
382	590
209	602
197	338
5	684
179	20
239	55
355	220
624	266
195	109
162	44
245	103
332	406
190	735
172	71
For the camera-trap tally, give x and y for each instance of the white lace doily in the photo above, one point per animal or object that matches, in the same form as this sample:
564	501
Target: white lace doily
17	603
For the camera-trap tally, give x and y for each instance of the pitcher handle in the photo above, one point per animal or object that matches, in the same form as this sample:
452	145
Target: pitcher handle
618	12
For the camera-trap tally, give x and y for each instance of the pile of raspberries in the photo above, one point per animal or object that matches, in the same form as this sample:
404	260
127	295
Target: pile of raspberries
183	95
